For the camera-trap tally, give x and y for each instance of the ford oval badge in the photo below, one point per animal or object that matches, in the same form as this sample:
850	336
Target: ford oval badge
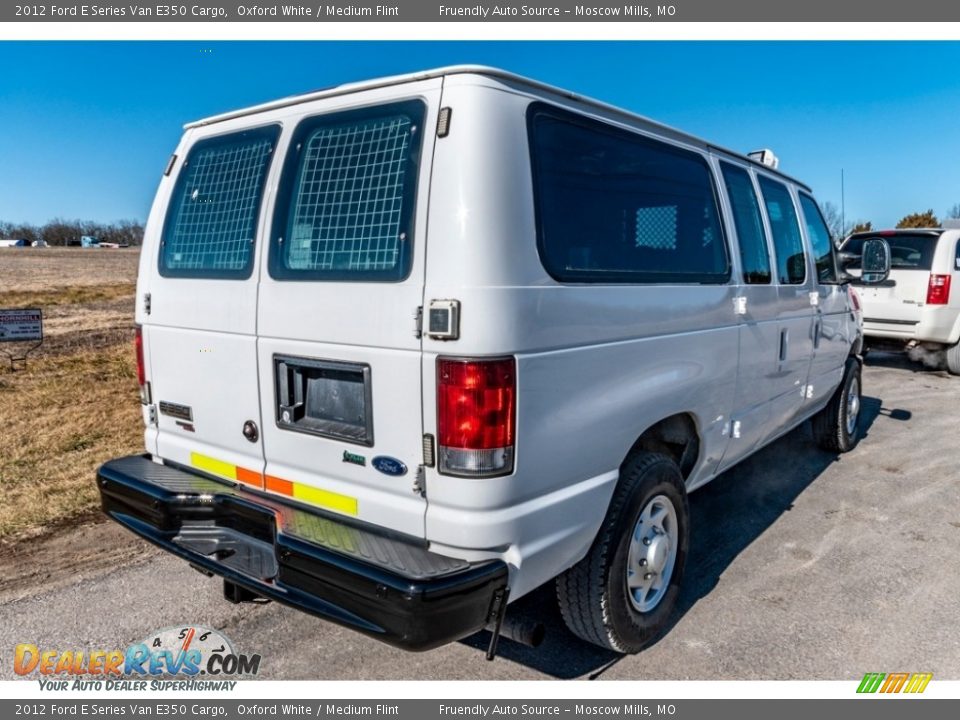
389	465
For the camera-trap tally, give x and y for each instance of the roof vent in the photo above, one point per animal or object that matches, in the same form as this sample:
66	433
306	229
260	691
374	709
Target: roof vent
765	157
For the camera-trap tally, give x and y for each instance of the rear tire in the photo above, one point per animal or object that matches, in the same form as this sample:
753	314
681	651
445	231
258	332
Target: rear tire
621	595
837	427
953	359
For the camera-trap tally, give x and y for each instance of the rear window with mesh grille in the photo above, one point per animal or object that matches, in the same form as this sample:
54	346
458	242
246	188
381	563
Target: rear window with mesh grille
345	209
616	206
211	224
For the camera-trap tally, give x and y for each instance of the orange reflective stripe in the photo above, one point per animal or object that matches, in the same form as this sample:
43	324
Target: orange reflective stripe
249	477
278	485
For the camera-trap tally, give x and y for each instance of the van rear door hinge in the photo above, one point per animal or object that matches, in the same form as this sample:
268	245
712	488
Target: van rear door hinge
418	322
146	303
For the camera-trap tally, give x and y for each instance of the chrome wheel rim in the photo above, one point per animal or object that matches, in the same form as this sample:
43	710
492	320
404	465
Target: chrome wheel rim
652	554
853	405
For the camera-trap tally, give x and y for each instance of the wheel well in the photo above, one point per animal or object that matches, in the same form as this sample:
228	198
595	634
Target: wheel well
675	436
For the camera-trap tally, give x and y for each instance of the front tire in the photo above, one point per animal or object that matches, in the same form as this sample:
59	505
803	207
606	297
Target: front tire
621	595
837	426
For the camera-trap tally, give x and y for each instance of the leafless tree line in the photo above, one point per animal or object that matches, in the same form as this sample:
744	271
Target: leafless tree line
63	232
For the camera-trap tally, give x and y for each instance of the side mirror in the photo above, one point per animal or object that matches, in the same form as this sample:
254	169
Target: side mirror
875	262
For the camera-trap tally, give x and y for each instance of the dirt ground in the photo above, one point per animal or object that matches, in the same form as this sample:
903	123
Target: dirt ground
75	401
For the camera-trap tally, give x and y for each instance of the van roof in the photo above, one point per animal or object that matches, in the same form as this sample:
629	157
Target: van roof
542	88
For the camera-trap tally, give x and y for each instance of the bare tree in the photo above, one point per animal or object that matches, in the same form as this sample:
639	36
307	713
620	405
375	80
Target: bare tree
953	213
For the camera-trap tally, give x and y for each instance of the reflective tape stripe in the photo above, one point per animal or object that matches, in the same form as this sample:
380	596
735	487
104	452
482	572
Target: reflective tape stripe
307	493
249	477
213	466
325	498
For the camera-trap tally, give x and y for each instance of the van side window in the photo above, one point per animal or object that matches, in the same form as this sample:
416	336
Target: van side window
346	200
791	262
211	222
754	255
819	240
614	206
956	261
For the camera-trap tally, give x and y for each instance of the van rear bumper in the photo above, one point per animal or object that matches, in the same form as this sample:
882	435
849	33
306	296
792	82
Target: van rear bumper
388	587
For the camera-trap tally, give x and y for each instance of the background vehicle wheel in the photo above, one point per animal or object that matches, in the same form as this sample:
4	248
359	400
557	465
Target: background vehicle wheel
621	594
837	426
953	359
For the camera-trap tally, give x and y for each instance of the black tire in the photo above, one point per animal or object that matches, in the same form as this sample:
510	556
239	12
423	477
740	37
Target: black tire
830	426
953	359
593	594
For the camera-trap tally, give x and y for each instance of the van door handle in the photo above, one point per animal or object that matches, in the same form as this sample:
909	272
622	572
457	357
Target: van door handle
817	332
784	339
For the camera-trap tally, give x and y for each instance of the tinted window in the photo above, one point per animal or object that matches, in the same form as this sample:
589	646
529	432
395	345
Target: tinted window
613	206
820	240
345	208
956	261
746	218
211	223
907	252
791	263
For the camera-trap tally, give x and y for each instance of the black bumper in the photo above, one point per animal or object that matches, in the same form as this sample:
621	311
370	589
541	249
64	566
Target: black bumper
391	588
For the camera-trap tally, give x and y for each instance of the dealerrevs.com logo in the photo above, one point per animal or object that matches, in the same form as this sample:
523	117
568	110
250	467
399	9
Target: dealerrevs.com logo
202	658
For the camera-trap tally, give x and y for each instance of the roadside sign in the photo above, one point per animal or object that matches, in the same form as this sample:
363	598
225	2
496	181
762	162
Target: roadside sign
21	325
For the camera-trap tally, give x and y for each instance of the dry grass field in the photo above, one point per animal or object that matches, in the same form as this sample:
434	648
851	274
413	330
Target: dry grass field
75	404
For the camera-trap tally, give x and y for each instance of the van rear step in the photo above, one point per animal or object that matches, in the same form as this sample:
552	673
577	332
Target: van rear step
389	587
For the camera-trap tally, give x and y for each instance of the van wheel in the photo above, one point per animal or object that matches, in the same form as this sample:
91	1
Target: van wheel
621	594
953	359
837	426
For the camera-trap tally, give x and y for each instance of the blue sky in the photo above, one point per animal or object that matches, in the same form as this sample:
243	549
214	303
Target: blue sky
86	127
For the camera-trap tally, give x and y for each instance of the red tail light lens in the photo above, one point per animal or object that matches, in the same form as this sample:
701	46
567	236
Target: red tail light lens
476	407
938	291
141	368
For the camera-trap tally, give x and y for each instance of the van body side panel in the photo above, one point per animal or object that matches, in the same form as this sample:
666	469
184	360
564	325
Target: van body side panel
596	364
361	325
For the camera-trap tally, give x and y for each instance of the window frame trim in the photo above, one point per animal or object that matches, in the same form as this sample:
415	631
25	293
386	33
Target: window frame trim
289	172
626	278
247	272
764	231
773	241
801	194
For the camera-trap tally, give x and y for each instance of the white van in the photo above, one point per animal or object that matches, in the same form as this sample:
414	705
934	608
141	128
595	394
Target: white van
918	306
410	348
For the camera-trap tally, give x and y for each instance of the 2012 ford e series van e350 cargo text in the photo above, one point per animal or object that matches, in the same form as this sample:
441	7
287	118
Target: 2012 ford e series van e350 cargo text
410	348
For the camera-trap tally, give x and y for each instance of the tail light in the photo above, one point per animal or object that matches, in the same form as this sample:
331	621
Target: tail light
938	291
476	410
141	368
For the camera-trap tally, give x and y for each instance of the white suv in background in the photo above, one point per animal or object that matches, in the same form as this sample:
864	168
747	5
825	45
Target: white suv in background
919	304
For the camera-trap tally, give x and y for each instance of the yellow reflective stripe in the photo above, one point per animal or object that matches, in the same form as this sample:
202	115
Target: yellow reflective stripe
325	498
213	466
322	498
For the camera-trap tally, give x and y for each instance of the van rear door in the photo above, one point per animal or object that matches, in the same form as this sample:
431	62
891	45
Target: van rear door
200	330
338	346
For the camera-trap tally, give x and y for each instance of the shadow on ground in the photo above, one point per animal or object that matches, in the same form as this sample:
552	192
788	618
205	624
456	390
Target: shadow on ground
727	515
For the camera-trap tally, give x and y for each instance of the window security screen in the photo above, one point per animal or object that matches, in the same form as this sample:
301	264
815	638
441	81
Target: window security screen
615	206
349	209
212	221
